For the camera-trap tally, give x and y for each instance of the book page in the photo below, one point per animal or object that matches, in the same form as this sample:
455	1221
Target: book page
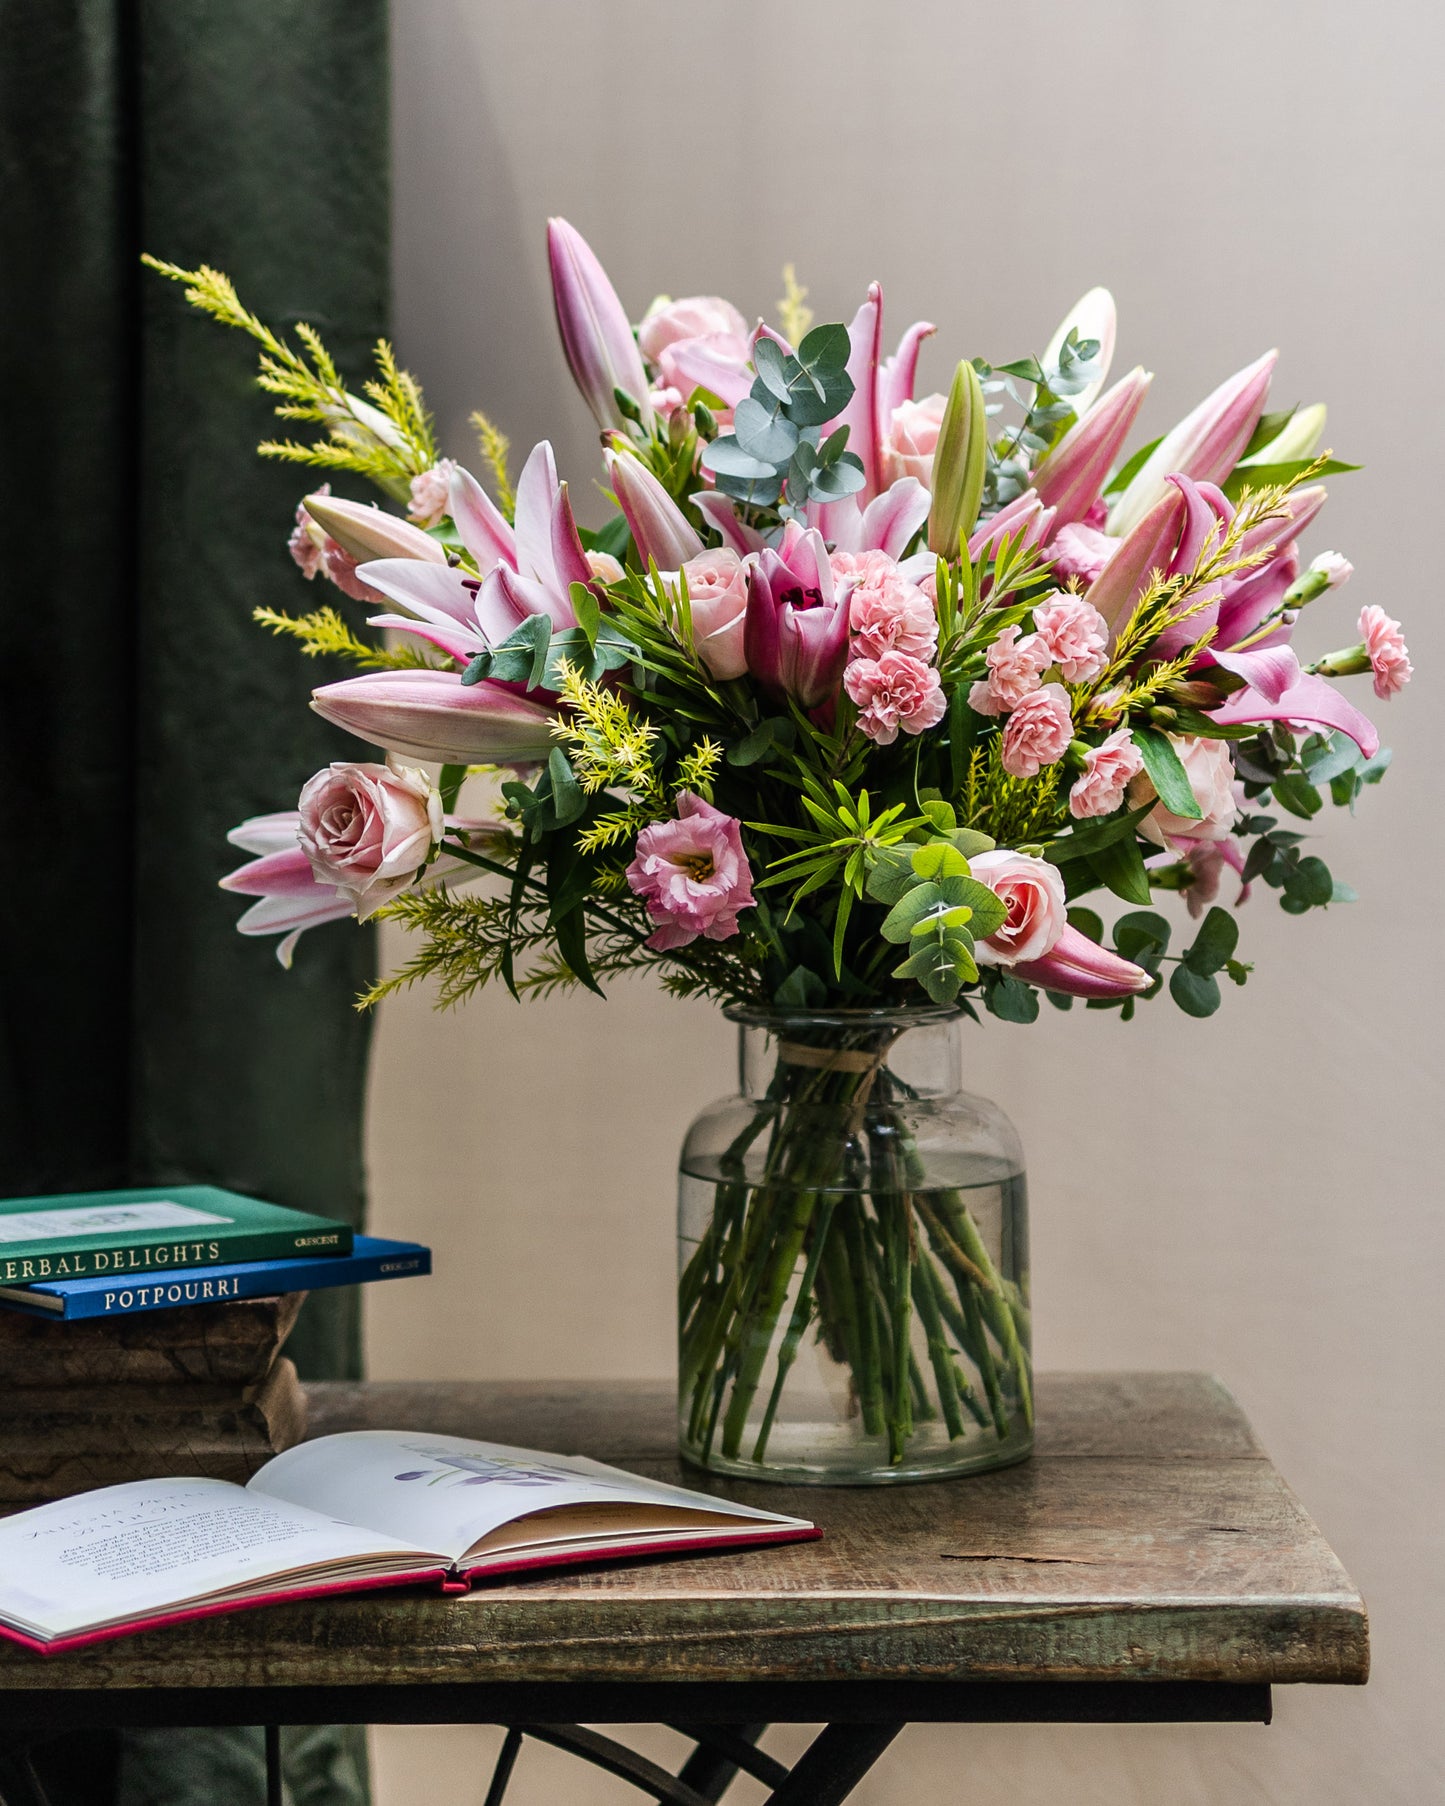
450	1492
130	1551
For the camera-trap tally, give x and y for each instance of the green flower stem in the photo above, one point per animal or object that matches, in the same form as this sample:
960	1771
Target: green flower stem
982	1354
996	1308
802	1311
939	1353
869	1372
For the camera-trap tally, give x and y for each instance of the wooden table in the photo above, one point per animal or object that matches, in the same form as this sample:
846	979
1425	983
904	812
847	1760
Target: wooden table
1148	1563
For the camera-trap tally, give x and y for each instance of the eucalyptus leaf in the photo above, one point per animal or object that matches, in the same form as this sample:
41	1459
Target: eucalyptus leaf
726	458
1196	995
768	362
1012	1001
1214	945
763	433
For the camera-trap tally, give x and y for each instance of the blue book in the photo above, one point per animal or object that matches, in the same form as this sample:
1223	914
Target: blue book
109	1296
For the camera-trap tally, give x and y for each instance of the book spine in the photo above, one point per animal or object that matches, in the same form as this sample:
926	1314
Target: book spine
132	1259
129	1296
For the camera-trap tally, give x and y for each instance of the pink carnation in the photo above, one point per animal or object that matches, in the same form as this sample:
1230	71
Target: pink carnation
340	567
1107	771
1037	733
1076	634
892	692
693	874
1389	659
886	612
307	539
1015	669
430	492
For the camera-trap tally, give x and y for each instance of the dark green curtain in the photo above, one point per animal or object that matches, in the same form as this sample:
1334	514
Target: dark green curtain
142	713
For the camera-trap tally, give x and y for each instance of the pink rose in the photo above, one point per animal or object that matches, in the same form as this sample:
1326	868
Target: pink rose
1076	634
1037	906
910	440
1037	733
1015	669
693	874
369	829
717	592
430	492
1107	771
1389	659
892	692
886	612
1081	551
693	317
605	568
1210	771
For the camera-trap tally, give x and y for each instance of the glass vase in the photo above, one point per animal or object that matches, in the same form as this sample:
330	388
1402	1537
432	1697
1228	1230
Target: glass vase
853	1259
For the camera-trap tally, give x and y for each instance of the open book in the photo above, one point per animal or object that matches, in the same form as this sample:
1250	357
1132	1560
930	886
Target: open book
368	1508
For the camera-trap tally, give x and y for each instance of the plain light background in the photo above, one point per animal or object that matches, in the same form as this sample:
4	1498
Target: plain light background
1257	1195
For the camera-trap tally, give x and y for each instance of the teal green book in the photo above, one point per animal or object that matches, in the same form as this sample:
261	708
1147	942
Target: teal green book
87	1234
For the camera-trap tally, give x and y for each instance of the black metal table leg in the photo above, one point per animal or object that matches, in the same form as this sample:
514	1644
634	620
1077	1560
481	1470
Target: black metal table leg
19	1783
722	1752
273	1765
834	1763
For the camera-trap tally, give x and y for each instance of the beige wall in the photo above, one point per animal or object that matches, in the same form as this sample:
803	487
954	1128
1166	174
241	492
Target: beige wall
1258	1194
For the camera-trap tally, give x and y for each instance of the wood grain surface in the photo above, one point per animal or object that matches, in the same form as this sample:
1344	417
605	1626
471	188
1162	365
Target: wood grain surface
1149	1538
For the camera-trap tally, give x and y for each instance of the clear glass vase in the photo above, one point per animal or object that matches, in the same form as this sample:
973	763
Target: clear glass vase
853	1259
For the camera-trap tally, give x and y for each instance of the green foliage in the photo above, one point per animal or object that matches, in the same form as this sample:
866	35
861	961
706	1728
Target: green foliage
323	633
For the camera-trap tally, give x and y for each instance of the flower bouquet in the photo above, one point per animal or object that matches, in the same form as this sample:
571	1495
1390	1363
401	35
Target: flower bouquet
851	716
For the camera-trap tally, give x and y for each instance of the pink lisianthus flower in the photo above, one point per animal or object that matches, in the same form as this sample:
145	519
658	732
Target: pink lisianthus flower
717	594
1015	669
1033	890
693	875
1210	771
1108	769
1389	659
369	830
886	612
1037	733
892	692
429	493
1076	634
910	440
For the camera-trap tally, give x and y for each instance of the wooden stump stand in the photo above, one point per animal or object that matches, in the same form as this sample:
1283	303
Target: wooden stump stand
199	1390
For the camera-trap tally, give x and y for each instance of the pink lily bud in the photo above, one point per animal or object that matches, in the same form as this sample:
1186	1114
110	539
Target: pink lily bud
1075	966
1205	445
1072	477
795	633
596	336
660	529
369	532
433	716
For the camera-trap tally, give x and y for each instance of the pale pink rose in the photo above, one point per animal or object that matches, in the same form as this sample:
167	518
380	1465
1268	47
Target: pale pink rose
693	317
886	612
892	692
307	539
369	829
1210	771
665	402
429	493
1080	551
605	568
1037	906
1076	634
717	592
1389	660
910	439
1037	733
1015	669
693	875
720	362
1108	768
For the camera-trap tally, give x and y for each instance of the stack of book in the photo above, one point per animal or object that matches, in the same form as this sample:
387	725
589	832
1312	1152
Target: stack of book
108	1254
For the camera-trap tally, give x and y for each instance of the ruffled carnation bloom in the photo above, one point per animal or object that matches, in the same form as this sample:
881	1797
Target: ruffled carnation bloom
717	594
429	493
1076	634
369	829
307	539
1037	906
1389	659
1210	771
892	692
911	439
1079	550
1108	769
1015	669
340	567
693	875
1037	733
886	612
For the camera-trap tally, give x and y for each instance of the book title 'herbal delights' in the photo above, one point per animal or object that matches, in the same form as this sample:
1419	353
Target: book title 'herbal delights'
857	696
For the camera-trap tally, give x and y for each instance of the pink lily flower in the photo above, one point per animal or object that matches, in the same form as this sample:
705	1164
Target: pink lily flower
887	524
878	388
596	334
721	516
660	529
795	633
1277	689
433	717
1025	514
365	533
1205	445
1072	477
526	570
1075	966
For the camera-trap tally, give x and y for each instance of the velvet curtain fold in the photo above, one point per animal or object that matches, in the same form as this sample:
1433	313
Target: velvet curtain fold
142	713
